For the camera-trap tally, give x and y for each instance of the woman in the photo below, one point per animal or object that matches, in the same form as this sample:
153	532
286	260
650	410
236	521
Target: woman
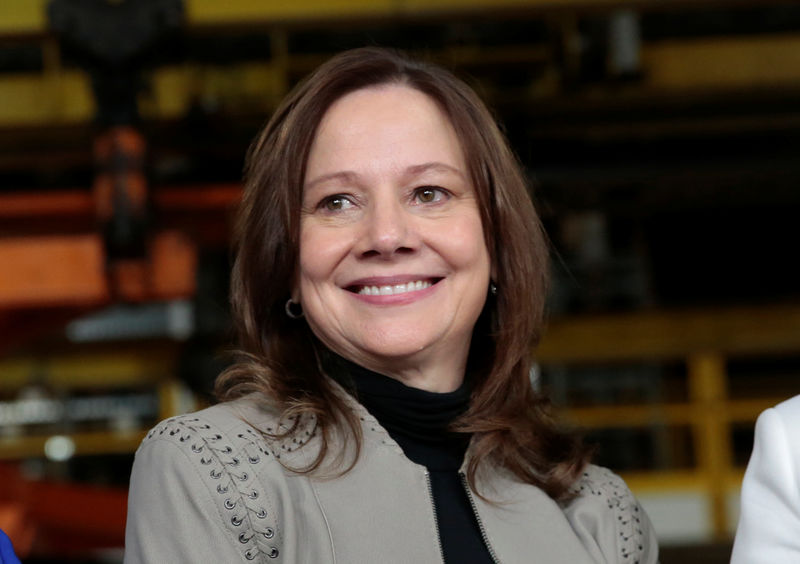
388	286
769	525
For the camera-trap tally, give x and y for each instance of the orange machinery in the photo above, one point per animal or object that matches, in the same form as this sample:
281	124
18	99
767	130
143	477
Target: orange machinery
66	253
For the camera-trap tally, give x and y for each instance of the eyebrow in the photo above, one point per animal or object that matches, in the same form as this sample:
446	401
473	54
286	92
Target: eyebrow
343	176
348	176
416	170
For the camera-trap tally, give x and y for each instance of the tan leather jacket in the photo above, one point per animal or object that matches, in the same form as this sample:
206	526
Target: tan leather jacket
207	487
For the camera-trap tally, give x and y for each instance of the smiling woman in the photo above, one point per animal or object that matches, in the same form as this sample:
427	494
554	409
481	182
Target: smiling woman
389	284
394	276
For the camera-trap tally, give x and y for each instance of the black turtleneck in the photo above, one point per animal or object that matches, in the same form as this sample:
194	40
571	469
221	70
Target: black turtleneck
419	422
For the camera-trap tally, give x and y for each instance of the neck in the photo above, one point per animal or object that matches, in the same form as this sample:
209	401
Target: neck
431	371
413	417
428	379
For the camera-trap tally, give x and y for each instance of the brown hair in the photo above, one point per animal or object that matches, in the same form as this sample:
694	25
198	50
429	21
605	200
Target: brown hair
509	420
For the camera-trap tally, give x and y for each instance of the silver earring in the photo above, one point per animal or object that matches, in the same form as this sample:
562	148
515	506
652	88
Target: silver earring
493	288
293	309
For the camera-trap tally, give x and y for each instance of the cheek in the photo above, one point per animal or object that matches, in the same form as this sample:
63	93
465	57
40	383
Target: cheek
312	252
321	250
467	244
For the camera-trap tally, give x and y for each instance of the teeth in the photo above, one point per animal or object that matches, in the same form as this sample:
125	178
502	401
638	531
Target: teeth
395	289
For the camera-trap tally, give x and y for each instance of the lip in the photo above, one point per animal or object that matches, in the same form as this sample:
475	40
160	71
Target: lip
391	280
393	299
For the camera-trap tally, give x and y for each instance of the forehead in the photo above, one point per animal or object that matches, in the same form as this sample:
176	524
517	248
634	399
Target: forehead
386	124
381	99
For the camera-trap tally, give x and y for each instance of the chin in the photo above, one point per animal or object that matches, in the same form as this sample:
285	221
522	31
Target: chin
395	349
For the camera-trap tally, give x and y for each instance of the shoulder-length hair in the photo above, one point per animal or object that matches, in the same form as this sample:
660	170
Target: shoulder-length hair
509	421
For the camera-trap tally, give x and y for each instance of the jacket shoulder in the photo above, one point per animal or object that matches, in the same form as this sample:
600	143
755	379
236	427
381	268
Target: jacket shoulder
607	516
768	518
789	411
214	471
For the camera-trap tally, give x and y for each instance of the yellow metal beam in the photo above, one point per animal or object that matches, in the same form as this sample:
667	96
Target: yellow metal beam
723	62
21	17
102	442
672	335
116	369
59	96
64	96
248	87
213	12
610	416
678	480
44	99
712	441
169	398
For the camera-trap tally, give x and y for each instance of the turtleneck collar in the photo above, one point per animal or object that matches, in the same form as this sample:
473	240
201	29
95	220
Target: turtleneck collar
418	420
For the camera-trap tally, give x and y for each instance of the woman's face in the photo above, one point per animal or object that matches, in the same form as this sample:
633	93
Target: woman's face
393	269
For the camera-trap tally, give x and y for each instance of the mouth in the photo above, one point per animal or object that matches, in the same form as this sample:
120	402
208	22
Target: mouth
392	289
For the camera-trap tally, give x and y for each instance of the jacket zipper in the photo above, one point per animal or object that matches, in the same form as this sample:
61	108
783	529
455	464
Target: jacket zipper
478	519
435	518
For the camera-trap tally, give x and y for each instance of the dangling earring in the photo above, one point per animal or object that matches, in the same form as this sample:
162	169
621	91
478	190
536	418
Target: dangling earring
493	288
293	309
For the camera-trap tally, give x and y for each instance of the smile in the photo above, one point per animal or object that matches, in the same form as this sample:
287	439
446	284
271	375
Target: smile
392	289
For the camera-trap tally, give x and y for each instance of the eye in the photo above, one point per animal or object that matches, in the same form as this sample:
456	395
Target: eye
429	194
336	203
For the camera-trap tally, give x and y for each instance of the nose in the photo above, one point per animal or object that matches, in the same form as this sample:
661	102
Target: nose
389	230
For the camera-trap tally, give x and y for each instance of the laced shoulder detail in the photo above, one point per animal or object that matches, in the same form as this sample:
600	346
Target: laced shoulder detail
627	513
228	464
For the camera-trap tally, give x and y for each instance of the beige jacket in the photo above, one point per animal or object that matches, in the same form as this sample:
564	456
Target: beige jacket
207	487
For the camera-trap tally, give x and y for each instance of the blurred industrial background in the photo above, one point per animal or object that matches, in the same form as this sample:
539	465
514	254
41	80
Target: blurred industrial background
661	139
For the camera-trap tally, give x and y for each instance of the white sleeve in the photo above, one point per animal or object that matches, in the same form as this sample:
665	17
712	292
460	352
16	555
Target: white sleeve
769	524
